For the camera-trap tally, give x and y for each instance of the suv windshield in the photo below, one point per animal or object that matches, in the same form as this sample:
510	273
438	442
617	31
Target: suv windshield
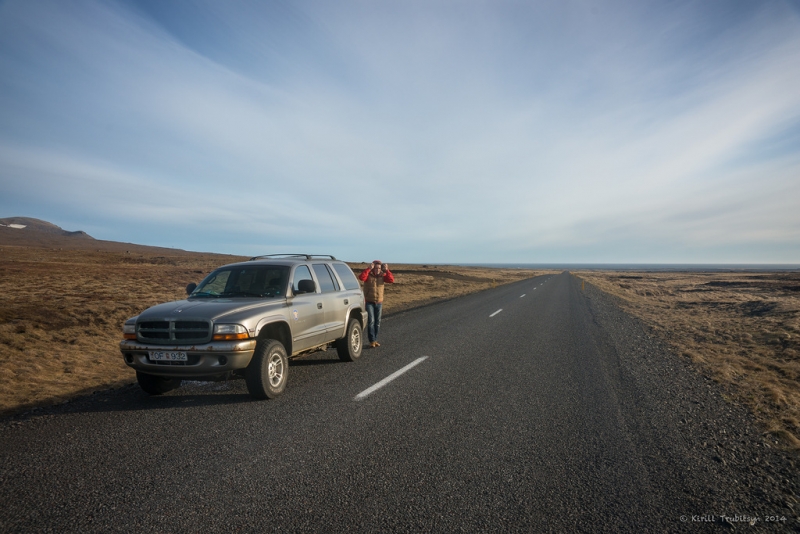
244	281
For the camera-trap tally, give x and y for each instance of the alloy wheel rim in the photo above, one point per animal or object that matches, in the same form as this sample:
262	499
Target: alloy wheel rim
275	370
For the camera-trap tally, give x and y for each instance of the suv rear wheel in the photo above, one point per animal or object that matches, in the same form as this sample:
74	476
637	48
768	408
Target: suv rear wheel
349	347
268	372
156	385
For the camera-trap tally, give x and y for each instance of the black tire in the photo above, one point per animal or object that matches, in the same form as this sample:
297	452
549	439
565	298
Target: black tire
350	346
156	385
268	372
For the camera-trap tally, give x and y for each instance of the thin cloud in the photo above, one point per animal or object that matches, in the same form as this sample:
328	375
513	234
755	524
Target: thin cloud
436	132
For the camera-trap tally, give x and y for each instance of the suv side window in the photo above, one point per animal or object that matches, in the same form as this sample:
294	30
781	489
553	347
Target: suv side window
348	278
301	273
324	277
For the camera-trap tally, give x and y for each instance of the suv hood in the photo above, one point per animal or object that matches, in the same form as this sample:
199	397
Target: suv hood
212	309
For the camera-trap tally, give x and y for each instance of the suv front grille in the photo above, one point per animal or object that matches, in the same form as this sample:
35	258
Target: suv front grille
174	332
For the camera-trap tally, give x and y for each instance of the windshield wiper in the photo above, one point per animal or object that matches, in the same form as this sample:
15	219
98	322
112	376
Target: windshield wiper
241	294
204	294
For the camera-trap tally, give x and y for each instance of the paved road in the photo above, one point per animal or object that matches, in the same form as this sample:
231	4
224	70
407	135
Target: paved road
534	407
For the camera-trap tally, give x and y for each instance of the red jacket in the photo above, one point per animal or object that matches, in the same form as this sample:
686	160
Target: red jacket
373	285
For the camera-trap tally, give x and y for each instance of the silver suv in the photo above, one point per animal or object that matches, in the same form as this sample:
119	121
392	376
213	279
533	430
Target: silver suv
247	319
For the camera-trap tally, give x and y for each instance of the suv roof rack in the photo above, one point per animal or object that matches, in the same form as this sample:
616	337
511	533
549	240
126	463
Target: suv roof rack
303	256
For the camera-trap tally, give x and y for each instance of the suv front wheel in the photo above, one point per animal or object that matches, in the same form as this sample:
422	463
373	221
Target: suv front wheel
268	372
349	347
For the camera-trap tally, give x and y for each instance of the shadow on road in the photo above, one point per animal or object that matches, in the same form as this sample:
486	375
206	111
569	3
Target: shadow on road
315	361
132	398
191	394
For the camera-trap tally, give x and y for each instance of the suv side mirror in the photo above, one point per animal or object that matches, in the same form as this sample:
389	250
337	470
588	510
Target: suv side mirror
191	287
306	286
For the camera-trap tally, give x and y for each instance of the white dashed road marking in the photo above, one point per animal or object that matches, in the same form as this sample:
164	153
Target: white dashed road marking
389	378
495	313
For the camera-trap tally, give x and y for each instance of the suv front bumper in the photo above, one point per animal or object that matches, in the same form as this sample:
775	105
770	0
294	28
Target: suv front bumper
207	360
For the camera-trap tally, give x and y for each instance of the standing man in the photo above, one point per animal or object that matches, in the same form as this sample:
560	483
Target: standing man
374	278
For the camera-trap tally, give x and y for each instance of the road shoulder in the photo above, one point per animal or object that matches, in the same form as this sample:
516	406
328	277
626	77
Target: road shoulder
720	448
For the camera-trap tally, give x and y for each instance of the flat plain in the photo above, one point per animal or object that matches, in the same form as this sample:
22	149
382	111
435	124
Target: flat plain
64	297
63	302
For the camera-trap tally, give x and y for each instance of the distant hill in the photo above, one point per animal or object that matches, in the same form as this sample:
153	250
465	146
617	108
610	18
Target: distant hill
30	232
29	225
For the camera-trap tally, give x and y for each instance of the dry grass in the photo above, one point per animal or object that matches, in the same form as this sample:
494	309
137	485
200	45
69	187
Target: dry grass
61	313
61	310
742	329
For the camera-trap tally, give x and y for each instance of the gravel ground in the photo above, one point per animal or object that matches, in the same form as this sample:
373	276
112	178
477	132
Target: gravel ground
752	482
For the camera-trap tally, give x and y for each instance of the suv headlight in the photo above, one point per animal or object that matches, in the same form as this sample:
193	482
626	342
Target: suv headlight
229	332
129	328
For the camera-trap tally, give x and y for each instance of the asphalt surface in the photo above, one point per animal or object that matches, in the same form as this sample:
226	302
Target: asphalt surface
533	407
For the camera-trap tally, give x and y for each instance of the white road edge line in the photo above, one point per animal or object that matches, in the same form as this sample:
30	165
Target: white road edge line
389	378
495	313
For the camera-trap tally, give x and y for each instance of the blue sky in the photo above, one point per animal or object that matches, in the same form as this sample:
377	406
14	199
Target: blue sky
411	131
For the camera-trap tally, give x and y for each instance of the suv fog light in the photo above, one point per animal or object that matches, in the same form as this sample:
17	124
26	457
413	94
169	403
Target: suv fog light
129	357
223	360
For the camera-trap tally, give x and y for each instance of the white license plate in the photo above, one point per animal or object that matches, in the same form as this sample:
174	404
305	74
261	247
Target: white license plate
168	356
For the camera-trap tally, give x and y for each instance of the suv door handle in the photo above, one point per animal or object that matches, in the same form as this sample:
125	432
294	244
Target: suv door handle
346	302
319	305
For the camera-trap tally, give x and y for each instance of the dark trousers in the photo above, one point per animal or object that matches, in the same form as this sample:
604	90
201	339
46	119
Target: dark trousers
374	320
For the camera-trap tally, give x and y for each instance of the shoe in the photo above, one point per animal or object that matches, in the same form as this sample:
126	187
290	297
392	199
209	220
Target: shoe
373	344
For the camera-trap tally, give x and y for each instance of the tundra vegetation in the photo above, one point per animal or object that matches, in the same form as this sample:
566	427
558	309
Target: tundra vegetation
62	309
63	300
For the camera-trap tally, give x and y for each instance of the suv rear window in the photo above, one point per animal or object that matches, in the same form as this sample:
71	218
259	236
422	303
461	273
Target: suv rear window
325	280
348	278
